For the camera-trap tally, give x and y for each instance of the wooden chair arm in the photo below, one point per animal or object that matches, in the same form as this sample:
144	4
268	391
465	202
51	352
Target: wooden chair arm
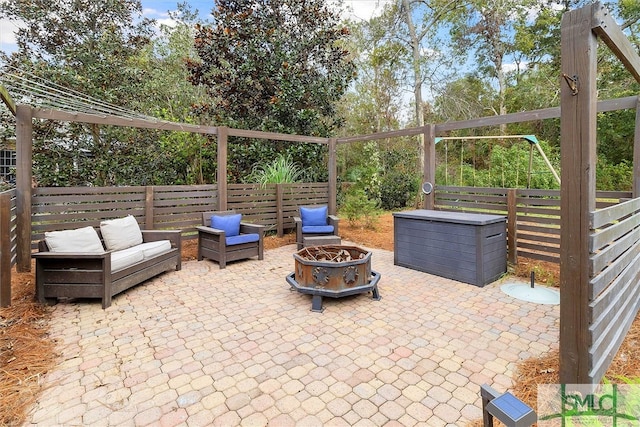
70	255
209	230
175	236
335	221
248	228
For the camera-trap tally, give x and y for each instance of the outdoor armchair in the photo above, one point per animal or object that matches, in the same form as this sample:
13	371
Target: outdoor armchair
223	237
314	221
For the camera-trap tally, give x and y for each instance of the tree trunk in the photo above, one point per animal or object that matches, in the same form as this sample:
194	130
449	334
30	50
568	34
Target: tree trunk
417	78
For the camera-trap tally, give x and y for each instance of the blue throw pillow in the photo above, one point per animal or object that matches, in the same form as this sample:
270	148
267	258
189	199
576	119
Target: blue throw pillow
230	224
313	216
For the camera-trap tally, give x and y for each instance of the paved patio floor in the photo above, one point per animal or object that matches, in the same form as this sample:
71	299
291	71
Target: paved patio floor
205	346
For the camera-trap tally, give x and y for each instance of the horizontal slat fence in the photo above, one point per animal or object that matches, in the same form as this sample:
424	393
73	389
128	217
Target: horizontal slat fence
8	239
169	207
615	280
155	207
275	205
537	222
180	207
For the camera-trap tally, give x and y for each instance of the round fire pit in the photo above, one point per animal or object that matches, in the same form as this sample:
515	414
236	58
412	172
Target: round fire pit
333	271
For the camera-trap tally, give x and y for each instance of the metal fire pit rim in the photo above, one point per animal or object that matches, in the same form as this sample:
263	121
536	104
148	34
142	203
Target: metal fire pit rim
375	278
332	263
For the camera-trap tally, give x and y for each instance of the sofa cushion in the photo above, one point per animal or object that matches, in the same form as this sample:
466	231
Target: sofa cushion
317	229
242	238
313	216
230	224
151	249
125	258
121	233
84	240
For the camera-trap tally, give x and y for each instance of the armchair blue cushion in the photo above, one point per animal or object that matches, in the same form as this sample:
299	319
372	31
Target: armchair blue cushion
242	238
230	224
317	229
313	216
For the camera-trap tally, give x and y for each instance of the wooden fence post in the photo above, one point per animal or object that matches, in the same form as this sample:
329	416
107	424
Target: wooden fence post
223	136
24	176
279	210
636	153
512	226
148	207
429	171
5	249
333	177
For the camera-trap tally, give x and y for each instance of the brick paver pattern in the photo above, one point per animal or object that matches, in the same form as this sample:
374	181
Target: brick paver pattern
205	346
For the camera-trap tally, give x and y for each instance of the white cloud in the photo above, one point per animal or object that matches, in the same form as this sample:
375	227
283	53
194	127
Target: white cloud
7	35
359	10
512	66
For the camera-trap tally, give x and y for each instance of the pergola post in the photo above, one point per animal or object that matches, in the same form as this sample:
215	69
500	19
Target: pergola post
333	176
24	177
578	106
636	153
429	164
223	133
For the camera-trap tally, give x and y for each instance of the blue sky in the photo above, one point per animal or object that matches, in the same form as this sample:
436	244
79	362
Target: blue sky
157	9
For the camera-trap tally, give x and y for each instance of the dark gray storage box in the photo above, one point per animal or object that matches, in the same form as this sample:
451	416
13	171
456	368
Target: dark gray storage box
470	248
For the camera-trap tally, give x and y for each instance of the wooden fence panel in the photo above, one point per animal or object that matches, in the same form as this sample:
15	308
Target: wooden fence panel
180	207
615	280
537	214
539	224
8	248
262	206
257	204
295	195
169	207
63	208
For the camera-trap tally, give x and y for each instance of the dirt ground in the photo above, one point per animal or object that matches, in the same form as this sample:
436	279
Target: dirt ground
27	352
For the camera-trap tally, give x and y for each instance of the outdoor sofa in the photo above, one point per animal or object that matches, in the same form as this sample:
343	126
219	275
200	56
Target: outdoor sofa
101	263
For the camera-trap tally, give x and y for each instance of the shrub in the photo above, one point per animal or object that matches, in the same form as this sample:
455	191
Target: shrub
397	189
359	208
282	170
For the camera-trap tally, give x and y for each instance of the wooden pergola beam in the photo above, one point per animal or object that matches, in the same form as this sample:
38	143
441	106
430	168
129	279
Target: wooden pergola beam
8	101
276	136
64	116
636	153
605	27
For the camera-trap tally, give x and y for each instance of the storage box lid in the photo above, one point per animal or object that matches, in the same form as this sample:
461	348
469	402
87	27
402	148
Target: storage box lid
451	217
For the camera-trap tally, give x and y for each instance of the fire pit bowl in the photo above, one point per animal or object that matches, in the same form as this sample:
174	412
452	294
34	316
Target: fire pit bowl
333	271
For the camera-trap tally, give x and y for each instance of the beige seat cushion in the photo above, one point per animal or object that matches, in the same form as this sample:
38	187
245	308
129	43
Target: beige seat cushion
125	258
151	249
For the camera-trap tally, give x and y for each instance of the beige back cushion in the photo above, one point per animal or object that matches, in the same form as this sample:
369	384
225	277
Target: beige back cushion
121	233
81	240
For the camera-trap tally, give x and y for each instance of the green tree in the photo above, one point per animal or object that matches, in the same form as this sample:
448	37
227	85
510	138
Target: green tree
274	65
90	48
171	96
486	27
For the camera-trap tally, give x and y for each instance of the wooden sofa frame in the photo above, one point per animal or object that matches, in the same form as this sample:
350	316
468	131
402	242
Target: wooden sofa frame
82	275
